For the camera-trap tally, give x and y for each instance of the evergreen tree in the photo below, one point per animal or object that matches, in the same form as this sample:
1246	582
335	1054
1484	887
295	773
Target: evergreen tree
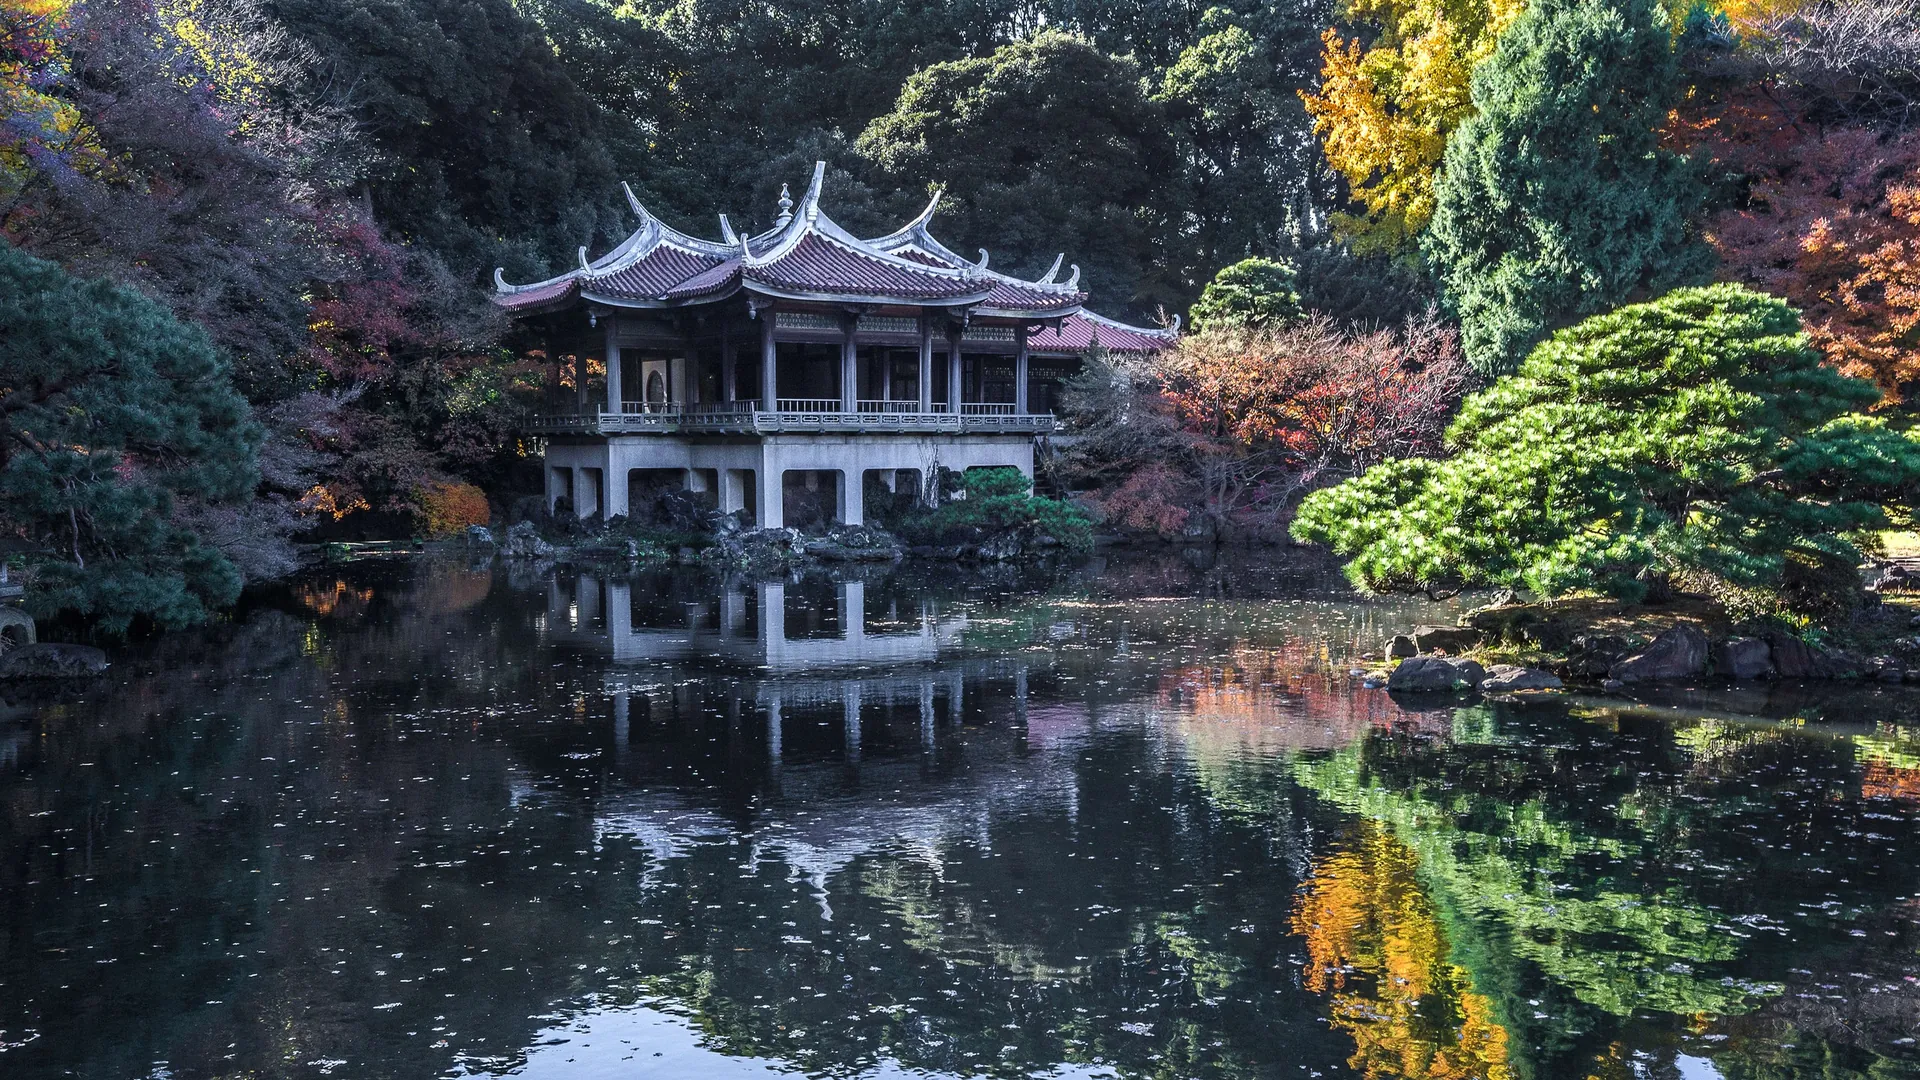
1250	294
113	416
1696	437
1557	199
490	152
1048	144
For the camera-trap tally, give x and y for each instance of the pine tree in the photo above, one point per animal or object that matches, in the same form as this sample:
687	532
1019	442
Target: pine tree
113	416
1557	200
1695	437
1250	294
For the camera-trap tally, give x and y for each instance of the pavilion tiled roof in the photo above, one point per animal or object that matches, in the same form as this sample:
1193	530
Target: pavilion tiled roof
807	256
1080	331
1009	295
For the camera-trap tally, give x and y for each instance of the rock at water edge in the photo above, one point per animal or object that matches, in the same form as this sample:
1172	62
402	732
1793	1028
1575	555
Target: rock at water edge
52	660
1680	653
1435	673
1510	678
1743	658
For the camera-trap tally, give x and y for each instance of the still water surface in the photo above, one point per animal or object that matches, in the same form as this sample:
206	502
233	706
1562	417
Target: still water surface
431	819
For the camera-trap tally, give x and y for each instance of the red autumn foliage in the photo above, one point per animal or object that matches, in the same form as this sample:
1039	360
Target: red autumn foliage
1832	226
1238	423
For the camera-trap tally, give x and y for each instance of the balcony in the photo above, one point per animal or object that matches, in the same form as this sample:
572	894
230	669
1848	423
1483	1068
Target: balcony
795	415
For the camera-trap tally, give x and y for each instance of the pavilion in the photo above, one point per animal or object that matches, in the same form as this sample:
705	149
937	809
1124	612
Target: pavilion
801	359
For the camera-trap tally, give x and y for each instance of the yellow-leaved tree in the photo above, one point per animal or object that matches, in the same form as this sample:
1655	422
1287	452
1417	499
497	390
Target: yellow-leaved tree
38	126
1385	108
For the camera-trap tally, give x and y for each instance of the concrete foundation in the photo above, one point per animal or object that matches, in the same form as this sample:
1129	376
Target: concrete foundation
750	472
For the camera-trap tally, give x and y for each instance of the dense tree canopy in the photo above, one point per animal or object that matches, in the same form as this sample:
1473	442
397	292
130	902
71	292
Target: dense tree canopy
113	415
1047	144
1695	437
1557	199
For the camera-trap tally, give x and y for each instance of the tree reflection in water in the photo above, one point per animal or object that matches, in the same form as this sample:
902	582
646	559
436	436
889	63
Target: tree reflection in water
1377	947
422	818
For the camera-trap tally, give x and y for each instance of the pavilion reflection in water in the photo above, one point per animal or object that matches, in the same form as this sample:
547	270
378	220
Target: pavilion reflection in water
810	646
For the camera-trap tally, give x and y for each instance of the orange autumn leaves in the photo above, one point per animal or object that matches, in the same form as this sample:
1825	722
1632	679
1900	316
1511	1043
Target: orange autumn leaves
1832	226
1376	946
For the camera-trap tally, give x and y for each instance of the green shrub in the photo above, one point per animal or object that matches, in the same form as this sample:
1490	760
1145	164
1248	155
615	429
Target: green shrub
1252	294
996	500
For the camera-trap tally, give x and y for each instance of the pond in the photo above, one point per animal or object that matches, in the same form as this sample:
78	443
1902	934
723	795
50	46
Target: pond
1136	819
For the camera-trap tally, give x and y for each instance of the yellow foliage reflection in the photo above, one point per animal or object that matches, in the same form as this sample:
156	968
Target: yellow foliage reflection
1375	944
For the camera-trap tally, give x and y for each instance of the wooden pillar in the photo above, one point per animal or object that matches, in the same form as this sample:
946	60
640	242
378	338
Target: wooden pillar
926	364
1020	373
580	381
769	384
953	371
729	367
849	368
616	396
886	375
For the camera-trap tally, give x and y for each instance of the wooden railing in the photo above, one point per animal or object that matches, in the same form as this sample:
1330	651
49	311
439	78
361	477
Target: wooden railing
986	408
806	404
887	406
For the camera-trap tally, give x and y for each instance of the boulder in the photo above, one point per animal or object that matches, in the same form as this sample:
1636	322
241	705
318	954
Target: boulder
479	536
1595	654
853	543
52	660
1435	673
1679	653
1792	658
1509	678
1001	547
1400	647
1743	658
1890	578
1451	639
523	541
1795	659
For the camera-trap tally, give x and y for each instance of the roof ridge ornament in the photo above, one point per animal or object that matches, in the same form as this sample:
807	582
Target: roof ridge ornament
585	266
1074	281
982	264
726	230
786	208
634	201
1054	270
500	280
1175	328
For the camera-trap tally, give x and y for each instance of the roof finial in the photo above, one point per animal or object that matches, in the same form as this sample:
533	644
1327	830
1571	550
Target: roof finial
584	264
1074	281
1054	269
786	208
500	280
1175	328
726	229
982	264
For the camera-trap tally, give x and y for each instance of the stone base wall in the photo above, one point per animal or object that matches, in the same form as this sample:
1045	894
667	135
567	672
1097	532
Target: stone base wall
593	472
